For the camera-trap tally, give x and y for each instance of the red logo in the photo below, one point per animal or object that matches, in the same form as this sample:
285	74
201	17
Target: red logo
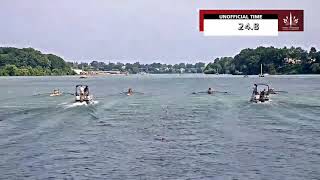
291	21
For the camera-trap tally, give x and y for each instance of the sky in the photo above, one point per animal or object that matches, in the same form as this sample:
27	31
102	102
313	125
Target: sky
147	31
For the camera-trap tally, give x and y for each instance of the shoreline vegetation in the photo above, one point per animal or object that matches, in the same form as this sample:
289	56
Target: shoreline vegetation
280	61
30	62
275	61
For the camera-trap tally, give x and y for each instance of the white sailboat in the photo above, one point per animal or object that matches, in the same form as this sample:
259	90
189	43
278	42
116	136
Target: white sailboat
261	72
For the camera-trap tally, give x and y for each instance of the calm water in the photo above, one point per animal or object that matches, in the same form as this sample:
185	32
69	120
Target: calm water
205	137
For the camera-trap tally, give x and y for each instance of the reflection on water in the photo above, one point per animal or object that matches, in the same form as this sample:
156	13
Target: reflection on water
165	133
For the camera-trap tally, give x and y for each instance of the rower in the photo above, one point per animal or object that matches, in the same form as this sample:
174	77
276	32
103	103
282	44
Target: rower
56	92
255	89
262	94
81	93
210	91
86	91
130	92
272	91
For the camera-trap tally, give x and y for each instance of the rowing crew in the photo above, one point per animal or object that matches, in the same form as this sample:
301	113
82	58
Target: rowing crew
56	92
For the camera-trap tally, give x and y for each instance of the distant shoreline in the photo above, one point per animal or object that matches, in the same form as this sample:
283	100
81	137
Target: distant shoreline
189	74
263	60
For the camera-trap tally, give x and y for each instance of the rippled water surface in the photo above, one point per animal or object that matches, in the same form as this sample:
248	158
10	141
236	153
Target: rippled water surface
165	133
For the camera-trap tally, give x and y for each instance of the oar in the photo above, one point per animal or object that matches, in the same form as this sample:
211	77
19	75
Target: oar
206	92
131	93
201	92
138	93
39	94
281	91
221	92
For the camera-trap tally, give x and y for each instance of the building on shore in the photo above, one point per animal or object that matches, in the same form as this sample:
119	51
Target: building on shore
292	61
78	71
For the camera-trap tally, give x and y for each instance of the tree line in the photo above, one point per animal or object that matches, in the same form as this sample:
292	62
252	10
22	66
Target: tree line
294	60
30	62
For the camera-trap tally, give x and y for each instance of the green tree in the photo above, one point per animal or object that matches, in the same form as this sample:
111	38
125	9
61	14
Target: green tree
315	68
10	70
28	61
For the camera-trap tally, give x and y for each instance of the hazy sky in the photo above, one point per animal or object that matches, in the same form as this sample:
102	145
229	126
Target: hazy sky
144	30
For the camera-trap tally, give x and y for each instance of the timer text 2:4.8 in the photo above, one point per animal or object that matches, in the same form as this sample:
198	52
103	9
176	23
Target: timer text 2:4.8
248	26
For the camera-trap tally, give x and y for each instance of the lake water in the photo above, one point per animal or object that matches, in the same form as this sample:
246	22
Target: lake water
165	133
